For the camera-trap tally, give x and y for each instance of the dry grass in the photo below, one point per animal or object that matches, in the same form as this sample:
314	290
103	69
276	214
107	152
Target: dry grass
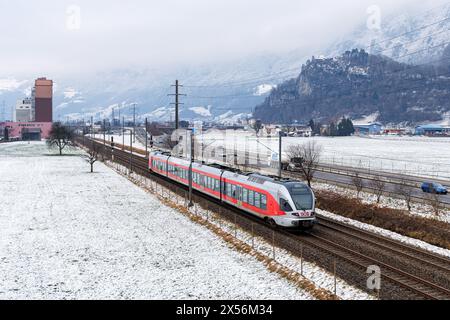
399	221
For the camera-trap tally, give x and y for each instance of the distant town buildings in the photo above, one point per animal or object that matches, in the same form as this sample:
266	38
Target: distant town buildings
23	111
374	128
432	130
43	99
32	116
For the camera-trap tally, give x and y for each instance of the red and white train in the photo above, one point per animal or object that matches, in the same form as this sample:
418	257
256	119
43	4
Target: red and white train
285	203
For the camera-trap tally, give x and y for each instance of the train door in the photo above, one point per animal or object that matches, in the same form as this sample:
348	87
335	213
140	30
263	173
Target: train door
239	196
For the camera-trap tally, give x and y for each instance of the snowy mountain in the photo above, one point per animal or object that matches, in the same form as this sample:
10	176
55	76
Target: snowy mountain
357	85
414	38
237	86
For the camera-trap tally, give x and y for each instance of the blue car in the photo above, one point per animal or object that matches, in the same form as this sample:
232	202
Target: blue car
431	187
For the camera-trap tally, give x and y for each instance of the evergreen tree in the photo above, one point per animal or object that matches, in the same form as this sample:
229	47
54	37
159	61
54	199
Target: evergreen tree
333	129
312	125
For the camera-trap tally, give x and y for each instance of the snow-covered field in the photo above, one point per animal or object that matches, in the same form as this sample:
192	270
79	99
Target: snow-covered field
421	156
69	234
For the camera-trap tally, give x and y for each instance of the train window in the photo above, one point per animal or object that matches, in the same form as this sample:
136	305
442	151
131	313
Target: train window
228	190
257	200
285	206
217	185
245	195
239	193
233	191
263	202
251	197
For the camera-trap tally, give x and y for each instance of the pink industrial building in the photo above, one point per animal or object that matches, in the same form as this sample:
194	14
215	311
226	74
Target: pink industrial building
26	130
33	116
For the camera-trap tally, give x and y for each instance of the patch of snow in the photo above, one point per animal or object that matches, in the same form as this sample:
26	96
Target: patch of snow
358	71
371	118
202	111
264	89
229	118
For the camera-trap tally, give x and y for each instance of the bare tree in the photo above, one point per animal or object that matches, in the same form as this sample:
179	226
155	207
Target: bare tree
377	184
405	190
358	183
60	136
309	156
434	201
92	155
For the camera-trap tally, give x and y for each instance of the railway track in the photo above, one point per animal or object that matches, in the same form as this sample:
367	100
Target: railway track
413	286
422	256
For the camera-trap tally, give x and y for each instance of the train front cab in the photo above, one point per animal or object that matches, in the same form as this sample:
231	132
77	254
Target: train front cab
297	201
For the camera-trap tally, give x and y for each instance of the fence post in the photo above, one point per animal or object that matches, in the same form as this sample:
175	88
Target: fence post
335	280
301	259
273	244
253	236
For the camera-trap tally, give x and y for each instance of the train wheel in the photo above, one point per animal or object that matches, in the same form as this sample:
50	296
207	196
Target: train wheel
271	223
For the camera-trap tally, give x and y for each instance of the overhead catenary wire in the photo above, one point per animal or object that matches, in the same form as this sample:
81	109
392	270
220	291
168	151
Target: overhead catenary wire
271	76
403	68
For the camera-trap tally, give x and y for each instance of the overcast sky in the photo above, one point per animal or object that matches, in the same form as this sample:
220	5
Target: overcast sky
47	36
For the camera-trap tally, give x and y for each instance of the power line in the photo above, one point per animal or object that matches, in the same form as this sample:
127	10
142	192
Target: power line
403	68
271	76
409	32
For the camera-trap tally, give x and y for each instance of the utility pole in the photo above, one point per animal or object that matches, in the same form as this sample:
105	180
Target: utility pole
113	118
131	152
280	157
104	134
3	112
191	204
134	122
177	103
146	138
92	127
119	114
123	133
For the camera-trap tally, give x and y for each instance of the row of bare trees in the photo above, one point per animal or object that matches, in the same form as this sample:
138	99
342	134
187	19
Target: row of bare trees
404	189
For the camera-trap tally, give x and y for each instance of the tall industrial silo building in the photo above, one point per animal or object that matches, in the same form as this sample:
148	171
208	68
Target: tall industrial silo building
43	100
